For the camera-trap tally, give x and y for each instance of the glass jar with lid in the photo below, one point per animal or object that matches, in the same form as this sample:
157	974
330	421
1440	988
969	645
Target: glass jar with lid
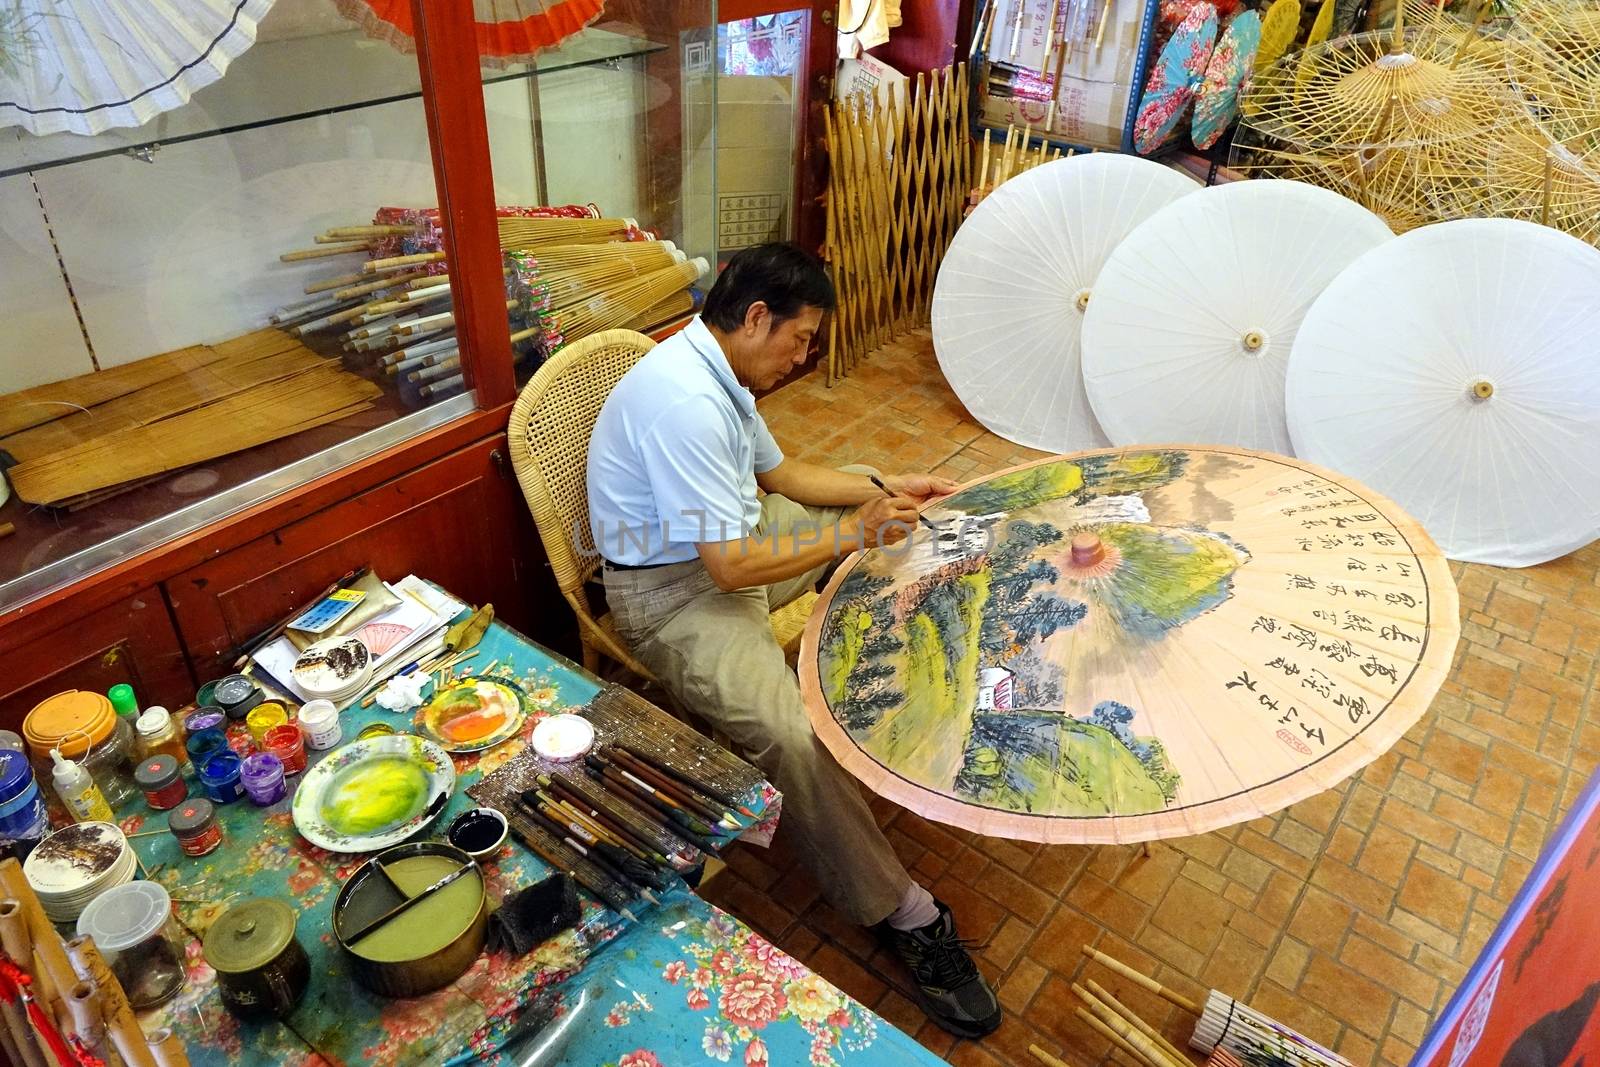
85	727
133	927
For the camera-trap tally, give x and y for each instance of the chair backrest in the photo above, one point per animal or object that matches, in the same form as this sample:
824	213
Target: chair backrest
549	434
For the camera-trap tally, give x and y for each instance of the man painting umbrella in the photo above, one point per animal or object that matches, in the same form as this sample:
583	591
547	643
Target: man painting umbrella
696	560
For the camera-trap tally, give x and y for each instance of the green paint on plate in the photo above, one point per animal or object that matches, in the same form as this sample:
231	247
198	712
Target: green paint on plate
374	796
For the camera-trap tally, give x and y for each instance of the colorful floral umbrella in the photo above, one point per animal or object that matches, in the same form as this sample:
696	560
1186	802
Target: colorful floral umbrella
1177	74
509	31
1216	103
93	65
1131	644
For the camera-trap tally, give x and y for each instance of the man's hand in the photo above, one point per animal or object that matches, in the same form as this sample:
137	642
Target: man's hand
883	520
919	487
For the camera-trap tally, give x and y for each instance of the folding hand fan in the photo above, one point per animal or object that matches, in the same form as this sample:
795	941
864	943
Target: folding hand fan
1217	101
1194	314
1455	369
1177	74
1011	291
93	65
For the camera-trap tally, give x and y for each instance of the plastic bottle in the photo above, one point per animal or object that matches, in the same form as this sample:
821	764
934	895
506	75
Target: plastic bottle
77	791
123	701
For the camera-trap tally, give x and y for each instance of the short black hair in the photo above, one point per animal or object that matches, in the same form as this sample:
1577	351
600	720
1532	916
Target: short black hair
783	276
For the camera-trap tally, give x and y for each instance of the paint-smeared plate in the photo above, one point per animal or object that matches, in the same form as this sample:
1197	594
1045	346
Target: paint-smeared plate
472	714
374	793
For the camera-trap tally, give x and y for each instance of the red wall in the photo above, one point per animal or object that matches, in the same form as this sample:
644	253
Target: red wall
935	34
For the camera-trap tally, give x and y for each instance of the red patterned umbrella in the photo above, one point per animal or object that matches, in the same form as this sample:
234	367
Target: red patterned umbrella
508	30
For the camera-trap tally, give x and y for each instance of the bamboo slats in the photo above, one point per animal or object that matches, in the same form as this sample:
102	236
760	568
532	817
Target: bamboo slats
44	403
899	172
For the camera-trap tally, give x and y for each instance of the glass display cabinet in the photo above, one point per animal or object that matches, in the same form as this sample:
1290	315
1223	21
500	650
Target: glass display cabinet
163	364
204	403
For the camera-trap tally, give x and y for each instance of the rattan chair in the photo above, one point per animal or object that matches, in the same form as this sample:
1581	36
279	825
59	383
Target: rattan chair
549	434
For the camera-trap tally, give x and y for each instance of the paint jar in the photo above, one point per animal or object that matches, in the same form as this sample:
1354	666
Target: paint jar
262	775
160	781
158	734
194	824
123	702
219	777
21	804
374	729
288	745
319	721
236	695
263	717
207	717
203	745
11	742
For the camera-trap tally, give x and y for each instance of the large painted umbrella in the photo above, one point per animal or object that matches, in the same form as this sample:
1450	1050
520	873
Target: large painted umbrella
1131	644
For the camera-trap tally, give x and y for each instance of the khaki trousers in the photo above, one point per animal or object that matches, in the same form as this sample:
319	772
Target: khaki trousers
715	653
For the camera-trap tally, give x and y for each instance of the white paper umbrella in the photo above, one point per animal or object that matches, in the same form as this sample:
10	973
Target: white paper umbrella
1009	300
92	65
1189	332
1457	370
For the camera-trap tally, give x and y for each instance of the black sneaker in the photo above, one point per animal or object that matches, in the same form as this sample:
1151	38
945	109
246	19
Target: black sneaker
952	991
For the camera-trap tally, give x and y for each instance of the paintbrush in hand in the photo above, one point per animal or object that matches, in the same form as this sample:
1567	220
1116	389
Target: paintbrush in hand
920	516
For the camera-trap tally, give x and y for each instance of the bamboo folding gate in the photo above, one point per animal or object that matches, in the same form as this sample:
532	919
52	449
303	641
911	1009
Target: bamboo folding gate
900	166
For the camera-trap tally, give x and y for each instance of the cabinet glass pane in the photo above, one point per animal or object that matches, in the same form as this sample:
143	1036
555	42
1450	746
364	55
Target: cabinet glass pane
631	140
760	64
151	376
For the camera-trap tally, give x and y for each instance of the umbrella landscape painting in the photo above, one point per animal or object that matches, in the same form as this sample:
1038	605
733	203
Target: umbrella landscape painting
1130	644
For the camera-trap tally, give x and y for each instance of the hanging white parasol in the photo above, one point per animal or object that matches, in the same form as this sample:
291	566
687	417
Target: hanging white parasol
1189	332
1009	300
1457	369
93	65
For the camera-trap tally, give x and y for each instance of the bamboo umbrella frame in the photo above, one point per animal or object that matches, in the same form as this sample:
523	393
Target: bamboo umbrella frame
1394	119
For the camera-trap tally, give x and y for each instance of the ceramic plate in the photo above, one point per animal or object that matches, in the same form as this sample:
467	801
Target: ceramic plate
472	714
374	793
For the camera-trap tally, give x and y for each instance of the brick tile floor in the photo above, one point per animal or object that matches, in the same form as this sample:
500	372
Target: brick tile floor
1351	916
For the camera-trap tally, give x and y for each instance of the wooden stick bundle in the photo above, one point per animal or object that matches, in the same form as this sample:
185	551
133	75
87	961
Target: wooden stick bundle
627	302
518	232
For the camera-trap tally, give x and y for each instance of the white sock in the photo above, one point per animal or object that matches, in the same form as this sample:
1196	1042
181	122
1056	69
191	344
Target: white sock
916	909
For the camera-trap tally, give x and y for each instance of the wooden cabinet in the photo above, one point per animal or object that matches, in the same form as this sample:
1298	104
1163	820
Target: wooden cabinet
132	640
459	521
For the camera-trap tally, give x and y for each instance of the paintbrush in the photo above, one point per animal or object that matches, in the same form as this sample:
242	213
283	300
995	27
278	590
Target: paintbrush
565	832
662	816
633	765
630	838
609	893
920	516
273	633
700	786
669	807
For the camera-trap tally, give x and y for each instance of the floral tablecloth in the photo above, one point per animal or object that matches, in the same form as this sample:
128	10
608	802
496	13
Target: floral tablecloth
686	984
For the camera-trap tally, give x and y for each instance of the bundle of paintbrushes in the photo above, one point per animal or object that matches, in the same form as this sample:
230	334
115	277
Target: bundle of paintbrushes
566	310
649	803
1225	1025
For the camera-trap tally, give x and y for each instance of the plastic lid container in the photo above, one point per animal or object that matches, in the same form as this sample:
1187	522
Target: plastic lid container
71	721
11	741
124	916
123	702
153	722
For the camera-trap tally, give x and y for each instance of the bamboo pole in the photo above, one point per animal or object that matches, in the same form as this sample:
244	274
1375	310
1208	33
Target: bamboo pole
373	266
1168	1049
167	1049
1143	981
53	973
1131	1036
336	282
325	250
83	1004
121	1024
1045	1058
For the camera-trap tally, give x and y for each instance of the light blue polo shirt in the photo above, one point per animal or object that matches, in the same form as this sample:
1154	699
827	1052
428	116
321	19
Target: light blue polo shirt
675	453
